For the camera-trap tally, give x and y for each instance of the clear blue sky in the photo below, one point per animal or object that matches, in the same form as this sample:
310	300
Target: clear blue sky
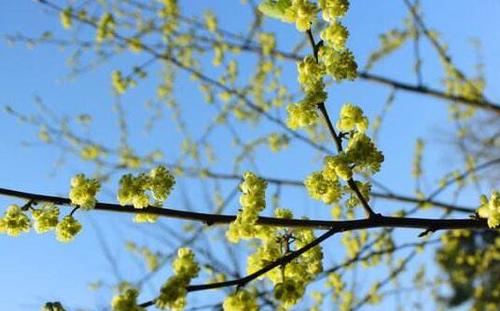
35	268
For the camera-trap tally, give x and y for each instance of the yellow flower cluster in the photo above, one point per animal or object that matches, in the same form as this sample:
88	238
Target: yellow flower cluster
352	117
44	135
301	12
417	160
290	280
490	209
458	85
277	141
340	64
267	42
300	271
152	259
105	27
310	73
185	264
363	154
90	152
83	191
133	189
354	241
161	182
210	21
14	221
67	229
170	8
301	114
353	200
145	217
126	301
135	44
360	155
119	83
241	300
129	159
338	60
304	113
333	59
288	292
335	281
170	15
335	35
337	166
66	18
173	292
321	188
46	218
333	9
312	259
253	201
318	299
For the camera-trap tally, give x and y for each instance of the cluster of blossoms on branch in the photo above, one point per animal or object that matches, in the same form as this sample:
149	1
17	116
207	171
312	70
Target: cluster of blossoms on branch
490	209
83	191
82	195
241	300
126	300
361	155
291	279
253	201
14	221
44	219
134	190
330	57
173	292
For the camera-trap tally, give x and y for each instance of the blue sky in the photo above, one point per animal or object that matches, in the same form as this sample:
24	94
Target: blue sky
35	267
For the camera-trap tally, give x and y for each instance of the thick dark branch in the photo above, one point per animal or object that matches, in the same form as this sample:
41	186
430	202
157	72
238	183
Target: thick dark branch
213	219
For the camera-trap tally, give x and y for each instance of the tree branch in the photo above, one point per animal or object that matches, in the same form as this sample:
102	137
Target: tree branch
217	219
245	280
